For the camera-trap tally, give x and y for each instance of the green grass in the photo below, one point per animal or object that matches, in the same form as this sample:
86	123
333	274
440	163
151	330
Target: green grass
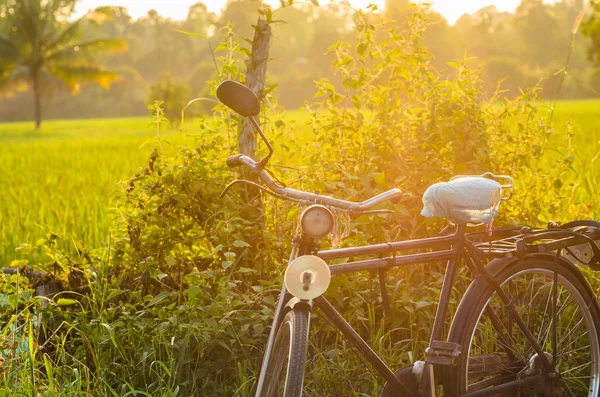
581	118
62	177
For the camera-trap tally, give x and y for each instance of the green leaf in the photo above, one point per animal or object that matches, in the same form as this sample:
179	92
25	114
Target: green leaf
223	345
361	49
258	328
190	33
315	2
115	293
158	298
558	183
226	264
111	333
422	304
221	47
269	88
18	263
240	244
193	292
66	302
217	249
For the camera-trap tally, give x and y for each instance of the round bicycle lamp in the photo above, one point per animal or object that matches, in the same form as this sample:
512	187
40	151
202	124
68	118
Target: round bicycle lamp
316	221
307	277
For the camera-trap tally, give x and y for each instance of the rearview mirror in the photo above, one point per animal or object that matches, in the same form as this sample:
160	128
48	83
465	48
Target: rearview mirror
238	98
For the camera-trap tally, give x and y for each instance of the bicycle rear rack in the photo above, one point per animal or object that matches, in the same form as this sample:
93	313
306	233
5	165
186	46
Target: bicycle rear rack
574	243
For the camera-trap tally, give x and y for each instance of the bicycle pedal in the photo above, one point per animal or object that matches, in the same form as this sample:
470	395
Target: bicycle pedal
443	353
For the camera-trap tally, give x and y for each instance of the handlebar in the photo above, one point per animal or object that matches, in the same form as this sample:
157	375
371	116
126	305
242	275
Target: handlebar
298	195
234	161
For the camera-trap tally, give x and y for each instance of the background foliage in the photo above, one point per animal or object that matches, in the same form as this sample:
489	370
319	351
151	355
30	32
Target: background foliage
42	51
521	47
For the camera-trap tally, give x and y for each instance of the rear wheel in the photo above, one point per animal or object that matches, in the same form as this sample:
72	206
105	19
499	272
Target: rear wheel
495	350
285	370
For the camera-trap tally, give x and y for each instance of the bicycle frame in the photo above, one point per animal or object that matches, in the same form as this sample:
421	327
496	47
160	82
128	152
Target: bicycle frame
451	248
447	248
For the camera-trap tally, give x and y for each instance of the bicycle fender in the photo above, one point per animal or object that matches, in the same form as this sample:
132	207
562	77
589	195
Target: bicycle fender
292	303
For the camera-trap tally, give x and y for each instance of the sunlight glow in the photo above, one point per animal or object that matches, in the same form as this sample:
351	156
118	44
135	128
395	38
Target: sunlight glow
177	9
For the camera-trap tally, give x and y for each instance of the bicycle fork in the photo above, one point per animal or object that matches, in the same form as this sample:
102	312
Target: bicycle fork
263	368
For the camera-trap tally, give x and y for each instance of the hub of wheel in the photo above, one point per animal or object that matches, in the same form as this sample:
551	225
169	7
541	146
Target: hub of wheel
550	386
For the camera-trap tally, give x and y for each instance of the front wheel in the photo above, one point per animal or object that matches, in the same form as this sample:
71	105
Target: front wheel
285	370
494	349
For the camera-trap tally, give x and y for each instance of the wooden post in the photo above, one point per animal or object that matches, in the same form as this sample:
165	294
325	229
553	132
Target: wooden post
256	74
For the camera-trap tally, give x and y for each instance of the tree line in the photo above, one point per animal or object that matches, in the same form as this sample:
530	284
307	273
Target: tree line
517	49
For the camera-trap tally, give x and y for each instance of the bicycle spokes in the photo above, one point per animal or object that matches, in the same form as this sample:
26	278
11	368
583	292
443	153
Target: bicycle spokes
559	319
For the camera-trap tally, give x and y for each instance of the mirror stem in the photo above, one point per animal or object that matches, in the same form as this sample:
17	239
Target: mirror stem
262	163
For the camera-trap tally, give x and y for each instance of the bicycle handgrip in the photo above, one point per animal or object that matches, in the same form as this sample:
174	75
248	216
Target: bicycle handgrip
234	161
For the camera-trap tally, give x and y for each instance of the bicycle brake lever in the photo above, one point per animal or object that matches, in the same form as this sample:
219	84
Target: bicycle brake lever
238	181
224	192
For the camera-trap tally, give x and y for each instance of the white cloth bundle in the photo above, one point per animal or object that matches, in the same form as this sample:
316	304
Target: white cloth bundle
463	200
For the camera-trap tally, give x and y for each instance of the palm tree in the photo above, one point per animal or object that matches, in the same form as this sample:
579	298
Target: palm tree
40	47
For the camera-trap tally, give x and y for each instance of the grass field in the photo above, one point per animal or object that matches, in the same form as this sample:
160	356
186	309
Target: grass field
582	118
62	177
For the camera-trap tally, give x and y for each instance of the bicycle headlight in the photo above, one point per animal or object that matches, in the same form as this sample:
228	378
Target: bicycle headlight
316	221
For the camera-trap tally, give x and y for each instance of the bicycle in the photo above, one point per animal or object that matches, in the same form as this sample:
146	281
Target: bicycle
528	325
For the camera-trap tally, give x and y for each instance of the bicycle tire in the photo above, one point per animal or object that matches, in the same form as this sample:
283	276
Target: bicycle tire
289	353
511	359
585	222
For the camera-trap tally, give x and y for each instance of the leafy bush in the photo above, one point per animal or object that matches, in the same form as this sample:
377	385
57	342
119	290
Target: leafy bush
399	122
174	95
